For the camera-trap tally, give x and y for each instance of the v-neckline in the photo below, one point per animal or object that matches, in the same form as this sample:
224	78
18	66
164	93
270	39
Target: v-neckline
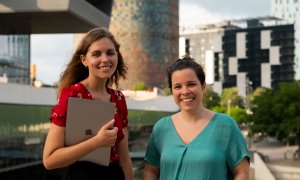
107	90
196	137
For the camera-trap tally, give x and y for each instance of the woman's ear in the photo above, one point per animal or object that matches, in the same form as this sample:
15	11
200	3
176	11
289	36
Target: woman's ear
204	86
83	60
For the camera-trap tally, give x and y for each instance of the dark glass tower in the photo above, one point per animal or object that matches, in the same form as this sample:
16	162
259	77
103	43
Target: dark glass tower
15	58
148	31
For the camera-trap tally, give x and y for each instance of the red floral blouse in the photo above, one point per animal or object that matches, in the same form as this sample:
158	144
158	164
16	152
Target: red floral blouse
59	112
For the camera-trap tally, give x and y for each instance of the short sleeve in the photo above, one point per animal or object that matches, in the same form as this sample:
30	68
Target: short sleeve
124	110
152	155
59	112
236	148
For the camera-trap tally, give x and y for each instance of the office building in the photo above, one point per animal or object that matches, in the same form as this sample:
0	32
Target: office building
289	10
15	59
202	42
148	32
255	53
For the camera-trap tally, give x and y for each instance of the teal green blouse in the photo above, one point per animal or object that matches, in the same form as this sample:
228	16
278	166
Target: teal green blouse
212	154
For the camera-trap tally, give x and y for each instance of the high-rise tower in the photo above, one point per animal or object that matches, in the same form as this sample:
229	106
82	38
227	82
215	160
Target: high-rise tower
260	54
15	59
148	31
289	10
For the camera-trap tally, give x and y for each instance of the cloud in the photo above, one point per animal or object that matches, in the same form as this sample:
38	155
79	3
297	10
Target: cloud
211	11
191	14
50	53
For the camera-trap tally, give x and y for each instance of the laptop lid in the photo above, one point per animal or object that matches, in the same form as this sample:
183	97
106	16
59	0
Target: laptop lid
85	117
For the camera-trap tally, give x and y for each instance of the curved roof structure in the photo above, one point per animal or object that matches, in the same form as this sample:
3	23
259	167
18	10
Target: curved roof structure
53	16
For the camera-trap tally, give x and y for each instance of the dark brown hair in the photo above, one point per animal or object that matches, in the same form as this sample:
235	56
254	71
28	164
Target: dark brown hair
186	62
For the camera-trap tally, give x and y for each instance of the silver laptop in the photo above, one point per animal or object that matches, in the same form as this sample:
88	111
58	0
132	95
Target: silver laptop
84	119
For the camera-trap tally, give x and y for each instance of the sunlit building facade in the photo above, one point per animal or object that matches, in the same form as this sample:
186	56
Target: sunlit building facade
203	43
289	10
257	56
246	54
15	59
148	31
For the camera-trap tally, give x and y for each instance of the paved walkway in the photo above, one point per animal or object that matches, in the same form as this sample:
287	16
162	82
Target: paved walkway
276	152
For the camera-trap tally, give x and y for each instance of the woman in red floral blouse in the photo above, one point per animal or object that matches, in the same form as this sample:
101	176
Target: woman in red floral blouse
96	65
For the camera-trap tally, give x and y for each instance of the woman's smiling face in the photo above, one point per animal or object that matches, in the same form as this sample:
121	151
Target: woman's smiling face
187	90
101	58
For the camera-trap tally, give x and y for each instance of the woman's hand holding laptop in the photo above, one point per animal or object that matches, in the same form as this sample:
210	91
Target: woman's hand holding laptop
107	135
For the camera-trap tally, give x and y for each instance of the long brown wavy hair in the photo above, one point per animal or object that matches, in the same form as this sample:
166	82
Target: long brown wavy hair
75	71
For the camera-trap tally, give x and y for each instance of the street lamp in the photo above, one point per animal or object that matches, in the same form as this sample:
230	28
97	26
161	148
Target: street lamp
228	106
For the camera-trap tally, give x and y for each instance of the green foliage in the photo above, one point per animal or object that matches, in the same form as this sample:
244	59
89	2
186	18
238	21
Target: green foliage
167	91
239	114
258	91
219	109
139	86
230	96
277	112
211	99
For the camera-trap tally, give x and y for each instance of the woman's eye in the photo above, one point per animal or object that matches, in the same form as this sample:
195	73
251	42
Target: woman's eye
111	53
96	54
191	84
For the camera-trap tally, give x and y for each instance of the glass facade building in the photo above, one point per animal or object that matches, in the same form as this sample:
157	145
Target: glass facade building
15	59
148	32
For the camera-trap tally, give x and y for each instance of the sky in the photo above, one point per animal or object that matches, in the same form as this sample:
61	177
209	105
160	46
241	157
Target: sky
51	53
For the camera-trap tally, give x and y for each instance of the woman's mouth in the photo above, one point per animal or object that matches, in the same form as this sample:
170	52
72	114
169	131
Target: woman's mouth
104	68
186	100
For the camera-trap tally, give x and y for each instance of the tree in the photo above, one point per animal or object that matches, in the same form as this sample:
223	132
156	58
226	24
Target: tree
258	91
139	86
277	112
230	102
230	96
239	114
211	99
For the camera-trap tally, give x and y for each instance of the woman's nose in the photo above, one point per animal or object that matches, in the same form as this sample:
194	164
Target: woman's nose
104	57
185	91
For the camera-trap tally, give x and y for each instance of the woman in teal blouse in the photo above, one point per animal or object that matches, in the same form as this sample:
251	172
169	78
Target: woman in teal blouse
195	143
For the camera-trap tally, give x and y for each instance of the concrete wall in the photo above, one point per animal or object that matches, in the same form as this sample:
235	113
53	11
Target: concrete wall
24	94
261	171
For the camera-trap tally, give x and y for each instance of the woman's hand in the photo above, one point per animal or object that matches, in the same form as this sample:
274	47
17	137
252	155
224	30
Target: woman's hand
107	135
57	155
